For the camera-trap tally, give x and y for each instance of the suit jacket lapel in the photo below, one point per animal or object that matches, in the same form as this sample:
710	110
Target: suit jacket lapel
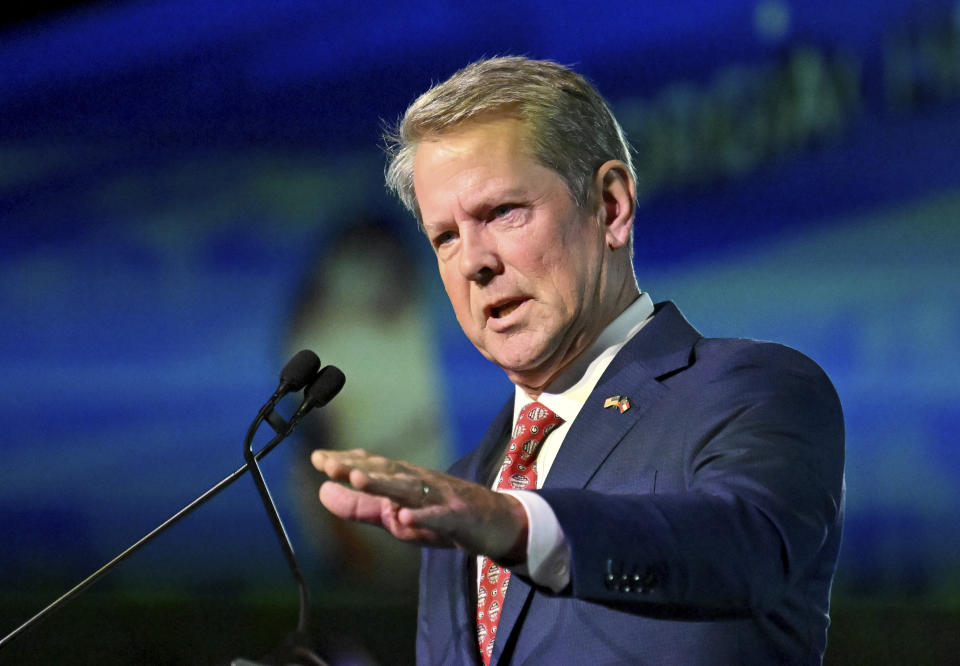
602	428
663	346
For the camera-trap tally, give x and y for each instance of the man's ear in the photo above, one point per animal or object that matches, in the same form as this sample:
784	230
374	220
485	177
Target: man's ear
618	195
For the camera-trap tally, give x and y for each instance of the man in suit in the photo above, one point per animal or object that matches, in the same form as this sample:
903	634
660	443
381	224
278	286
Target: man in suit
681	501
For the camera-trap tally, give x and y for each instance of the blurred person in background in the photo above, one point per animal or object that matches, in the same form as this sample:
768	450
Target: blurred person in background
363	308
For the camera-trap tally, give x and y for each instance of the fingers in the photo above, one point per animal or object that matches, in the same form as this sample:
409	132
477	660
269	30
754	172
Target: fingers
355	505
406	490
414	503
338	464
401	482
351	504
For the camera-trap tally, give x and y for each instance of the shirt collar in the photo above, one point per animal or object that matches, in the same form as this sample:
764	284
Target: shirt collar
569	390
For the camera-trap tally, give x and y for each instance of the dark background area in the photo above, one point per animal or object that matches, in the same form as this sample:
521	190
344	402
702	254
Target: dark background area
173	176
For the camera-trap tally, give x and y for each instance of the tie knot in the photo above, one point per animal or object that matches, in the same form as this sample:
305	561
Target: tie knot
519	469
535	422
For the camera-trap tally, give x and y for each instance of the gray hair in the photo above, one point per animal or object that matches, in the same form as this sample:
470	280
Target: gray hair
570	127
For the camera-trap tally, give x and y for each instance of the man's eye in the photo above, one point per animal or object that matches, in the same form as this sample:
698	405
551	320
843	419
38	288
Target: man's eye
502	210
442	239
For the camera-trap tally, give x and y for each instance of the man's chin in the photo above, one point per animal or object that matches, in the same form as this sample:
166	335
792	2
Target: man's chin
526	362
515	359
527	373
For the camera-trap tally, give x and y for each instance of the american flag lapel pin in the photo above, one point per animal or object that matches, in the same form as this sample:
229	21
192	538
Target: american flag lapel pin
612	401
620	402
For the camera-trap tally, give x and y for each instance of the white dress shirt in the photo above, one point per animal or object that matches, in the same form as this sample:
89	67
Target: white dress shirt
548	554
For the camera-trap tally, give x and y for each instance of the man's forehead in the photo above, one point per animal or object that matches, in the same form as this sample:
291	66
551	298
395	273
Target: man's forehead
479	162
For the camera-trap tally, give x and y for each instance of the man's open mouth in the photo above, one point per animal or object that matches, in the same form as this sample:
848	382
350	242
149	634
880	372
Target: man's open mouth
505	308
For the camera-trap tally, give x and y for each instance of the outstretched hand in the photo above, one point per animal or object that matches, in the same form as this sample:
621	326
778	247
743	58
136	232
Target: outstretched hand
421	505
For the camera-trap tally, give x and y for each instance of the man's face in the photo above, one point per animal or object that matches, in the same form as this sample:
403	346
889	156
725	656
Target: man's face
523	265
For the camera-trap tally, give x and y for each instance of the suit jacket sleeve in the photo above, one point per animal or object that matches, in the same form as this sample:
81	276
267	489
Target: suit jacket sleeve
725	498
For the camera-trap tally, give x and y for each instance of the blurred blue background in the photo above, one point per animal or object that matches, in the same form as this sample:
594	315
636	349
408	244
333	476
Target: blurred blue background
176	182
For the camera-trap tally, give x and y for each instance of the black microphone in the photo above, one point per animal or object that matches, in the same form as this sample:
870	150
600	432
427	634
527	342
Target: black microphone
322	389
299	371
297	646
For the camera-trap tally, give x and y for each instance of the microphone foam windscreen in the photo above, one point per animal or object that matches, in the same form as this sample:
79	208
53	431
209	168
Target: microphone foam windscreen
327	384
300	369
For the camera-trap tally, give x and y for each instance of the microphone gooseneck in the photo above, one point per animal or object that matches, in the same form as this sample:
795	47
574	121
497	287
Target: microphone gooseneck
321	390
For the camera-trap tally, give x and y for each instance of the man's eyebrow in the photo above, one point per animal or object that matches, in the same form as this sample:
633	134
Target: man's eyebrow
518	192
433	227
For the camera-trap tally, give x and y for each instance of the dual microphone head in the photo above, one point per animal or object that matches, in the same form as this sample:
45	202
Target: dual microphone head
303	372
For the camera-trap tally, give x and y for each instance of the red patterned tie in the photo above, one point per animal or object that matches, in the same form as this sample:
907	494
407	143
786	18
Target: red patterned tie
519	472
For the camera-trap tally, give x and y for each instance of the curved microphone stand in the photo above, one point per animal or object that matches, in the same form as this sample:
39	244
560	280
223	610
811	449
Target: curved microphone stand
301	369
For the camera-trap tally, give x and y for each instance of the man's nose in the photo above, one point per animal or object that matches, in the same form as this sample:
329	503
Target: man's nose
479	260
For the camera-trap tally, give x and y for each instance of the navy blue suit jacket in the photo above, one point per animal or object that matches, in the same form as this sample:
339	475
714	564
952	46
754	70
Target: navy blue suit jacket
704	522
